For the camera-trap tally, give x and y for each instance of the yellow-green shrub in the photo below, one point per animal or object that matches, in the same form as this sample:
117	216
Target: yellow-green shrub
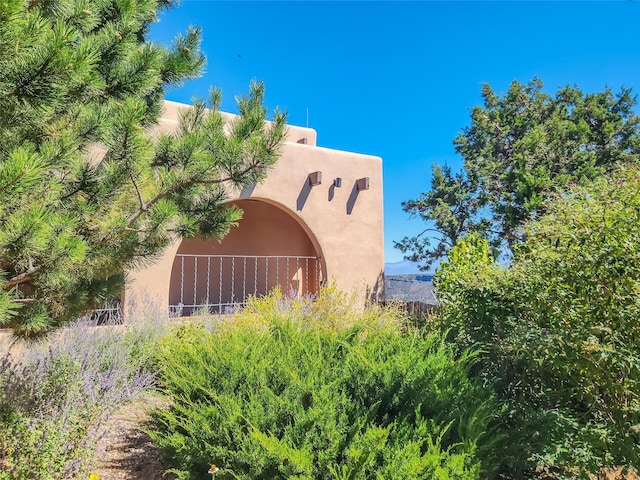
276	392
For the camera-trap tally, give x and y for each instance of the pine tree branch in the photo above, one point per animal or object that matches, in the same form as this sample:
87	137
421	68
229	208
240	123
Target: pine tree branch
14	181
135	185
39	73
22	278
164	194
187	183
70	194
441	240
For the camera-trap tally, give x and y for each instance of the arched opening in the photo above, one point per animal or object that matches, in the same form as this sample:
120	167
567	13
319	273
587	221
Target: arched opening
269	248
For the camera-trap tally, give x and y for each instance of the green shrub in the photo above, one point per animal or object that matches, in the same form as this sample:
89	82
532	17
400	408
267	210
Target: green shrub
560	328
318	390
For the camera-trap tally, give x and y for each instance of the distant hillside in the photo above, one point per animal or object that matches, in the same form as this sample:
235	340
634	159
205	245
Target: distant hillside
410	288
405	267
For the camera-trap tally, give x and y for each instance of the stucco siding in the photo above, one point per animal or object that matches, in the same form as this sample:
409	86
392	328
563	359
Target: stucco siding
342	225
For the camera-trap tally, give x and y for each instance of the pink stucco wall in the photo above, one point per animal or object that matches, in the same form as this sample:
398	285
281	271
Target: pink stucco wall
285	215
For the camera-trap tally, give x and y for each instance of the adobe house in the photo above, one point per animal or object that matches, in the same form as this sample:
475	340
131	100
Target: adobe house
317	217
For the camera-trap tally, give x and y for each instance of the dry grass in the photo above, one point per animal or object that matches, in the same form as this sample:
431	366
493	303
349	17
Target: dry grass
618	473
125	452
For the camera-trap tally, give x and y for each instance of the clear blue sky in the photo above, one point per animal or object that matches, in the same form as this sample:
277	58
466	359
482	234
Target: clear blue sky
398	79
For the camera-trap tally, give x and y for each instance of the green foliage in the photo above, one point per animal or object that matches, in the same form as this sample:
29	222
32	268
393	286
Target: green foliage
520	148
86	191
560	328
279	393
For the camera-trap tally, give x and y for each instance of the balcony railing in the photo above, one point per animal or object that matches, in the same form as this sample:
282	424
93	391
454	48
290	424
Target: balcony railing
222	283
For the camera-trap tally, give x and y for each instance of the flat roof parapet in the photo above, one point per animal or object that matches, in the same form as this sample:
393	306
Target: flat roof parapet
169	119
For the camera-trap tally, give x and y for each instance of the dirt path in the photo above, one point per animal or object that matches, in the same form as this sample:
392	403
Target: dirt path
125	452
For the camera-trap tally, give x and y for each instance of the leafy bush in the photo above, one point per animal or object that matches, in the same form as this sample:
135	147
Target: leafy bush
561	328
55	398
301	389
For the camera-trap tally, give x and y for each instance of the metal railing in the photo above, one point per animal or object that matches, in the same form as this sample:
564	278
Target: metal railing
109	314
222	283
